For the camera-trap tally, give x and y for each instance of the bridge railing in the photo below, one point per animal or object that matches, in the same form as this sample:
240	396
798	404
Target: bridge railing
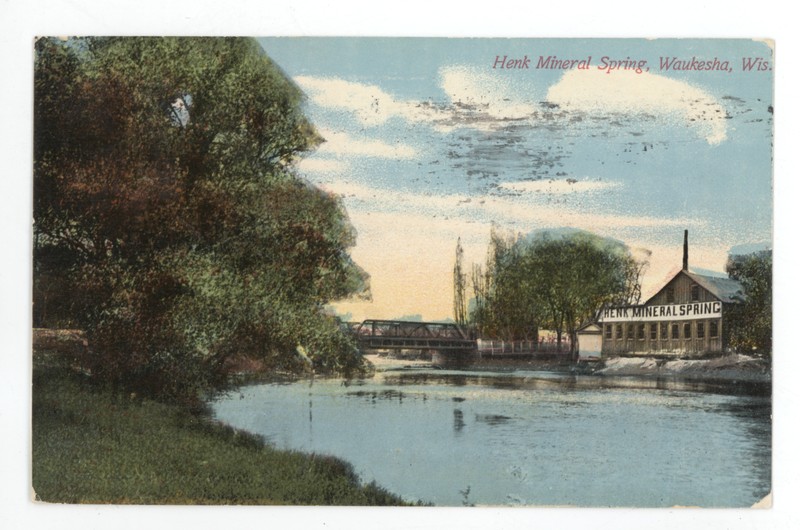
413	343
399	328
520	347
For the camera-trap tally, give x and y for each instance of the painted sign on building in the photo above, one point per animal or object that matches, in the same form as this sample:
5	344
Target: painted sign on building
662	312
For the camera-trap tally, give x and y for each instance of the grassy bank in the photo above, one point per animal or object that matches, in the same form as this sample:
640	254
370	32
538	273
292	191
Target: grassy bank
90	446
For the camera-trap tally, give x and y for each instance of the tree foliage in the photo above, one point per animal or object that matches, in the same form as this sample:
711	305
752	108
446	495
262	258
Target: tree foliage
751	321
168	220
551	281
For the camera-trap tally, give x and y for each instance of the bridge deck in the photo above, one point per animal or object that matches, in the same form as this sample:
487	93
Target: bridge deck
411	343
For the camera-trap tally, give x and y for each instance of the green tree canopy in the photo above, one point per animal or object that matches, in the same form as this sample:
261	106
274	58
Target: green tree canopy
751	321
169	222
552	280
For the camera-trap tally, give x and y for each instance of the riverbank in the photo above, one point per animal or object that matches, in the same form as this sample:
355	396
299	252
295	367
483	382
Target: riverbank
385	363
726	368
92	446
733	367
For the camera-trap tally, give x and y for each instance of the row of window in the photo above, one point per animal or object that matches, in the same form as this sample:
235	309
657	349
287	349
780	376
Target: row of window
662	330
695	293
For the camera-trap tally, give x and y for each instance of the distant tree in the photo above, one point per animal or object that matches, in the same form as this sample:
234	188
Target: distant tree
169	222
459	287
416	317
478	304
501	306
750	322
514	311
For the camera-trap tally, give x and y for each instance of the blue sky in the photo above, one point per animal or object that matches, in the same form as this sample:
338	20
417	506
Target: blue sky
426	142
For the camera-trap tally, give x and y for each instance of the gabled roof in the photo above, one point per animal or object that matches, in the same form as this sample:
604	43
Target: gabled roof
727	290
590	327
724	289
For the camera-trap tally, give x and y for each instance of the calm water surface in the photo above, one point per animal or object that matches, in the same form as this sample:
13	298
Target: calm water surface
526	438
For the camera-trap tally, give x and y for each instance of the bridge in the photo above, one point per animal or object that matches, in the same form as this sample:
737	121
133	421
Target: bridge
401	335
449	344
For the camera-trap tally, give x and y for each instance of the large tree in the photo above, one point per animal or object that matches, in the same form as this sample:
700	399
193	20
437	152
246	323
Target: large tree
751	321
553	280
577	274
169	222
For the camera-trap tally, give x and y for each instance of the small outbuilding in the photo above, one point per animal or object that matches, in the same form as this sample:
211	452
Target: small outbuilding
590	342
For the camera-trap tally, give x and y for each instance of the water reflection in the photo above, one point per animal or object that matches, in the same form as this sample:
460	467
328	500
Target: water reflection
755	418
565	381
492	419
373	396
458	421
534	438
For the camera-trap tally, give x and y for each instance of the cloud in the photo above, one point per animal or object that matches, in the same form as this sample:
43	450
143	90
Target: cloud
342	144
522	213
487	101
559	186
370	103
322	165
472	99
627	92
485	92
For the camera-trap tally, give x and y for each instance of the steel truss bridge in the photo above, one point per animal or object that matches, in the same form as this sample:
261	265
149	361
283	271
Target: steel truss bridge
400	335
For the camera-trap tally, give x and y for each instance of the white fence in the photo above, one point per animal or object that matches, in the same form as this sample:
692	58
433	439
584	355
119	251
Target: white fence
520	347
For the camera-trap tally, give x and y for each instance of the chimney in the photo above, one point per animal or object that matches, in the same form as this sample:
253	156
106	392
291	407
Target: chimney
686	250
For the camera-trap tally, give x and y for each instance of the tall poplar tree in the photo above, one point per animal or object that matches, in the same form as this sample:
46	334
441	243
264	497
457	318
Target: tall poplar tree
459	287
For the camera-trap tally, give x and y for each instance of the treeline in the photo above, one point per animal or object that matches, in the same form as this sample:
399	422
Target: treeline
559	280
547	280
169	223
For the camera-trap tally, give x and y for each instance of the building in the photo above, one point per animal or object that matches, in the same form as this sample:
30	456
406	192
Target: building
685	317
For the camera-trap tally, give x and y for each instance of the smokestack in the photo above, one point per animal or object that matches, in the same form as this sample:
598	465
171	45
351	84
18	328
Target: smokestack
686	250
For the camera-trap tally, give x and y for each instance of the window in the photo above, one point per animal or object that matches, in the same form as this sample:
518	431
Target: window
653	332
664	330
701	330
674	331
695	293
640	332
629	333
608	331
713	329
619	331
687	330
671	294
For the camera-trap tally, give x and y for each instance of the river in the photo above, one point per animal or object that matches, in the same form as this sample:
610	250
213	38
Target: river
526	438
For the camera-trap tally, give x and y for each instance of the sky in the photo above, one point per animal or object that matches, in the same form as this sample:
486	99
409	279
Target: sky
431	140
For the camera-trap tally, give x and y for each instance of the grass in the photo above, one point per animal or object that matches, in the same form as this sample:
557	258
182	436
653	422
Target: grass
92	446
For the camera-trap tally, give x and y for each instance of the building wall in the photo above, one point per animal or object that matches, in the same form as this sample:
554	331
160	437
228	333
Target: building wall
694	336
681	292
679	336
590	344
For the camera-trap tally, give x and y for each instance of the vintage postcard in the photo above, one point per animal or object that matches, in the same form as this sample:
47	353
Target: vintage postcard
403	271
